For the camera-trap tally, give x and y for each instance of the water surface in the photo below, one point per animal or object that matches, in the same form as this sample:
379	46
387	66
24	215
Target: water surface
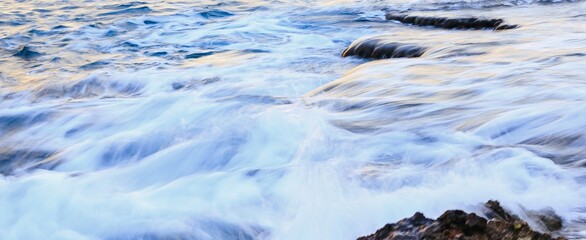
240	120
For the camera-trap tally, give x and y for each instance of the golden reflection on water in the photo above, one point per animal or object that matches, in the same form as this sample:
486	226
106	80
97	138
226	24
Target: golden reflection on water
495	52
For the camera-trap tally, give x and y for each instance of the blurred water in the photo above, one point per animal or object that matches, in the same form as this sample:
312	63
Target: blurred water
240	120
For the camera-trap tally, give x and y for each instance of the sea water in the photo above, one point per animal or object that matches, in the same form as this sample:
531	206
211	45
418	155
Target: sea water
240	120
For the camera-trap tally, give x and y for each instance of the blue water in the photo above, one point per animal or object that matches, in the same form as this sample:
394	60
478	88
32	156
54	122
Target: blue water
240	120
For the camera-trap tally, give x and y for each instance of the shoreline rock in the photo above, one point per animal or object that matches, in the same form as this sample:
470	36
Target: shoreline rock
457	224
451	23
380	48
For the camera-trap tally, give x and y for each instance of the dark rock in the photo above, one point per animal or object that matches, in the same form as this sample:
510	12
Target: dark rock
451	23
495	211
457	224
475	223
26	53
379	48
547	218
505	27
408	228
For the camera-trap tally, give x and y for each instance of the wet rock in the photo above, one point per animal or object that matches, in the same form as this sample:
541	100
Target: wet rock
547	218
380	48
493	210
408	228
26	53
457	224
451	23
505	27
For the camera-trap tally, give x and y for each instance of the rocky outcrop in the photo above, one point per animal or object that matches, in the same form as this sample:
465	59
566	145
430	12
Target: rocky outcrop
457	224
451	23
380	48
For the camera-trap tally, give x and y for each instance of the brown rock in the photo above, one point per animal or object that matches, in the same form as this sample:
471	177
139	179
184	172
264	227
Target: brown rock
457	224
547	218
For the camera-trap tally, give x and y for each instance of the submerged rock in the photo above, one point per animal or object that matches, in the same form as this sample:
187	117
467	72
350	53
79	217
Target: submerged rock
451	23
457	224
380	48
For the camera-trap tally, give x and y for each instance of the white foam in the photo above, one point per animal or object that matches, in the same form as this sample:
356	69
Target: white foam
274	135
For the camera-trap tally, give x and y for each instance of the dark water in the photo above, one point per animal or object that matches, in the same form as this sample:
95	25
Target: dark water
240	120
